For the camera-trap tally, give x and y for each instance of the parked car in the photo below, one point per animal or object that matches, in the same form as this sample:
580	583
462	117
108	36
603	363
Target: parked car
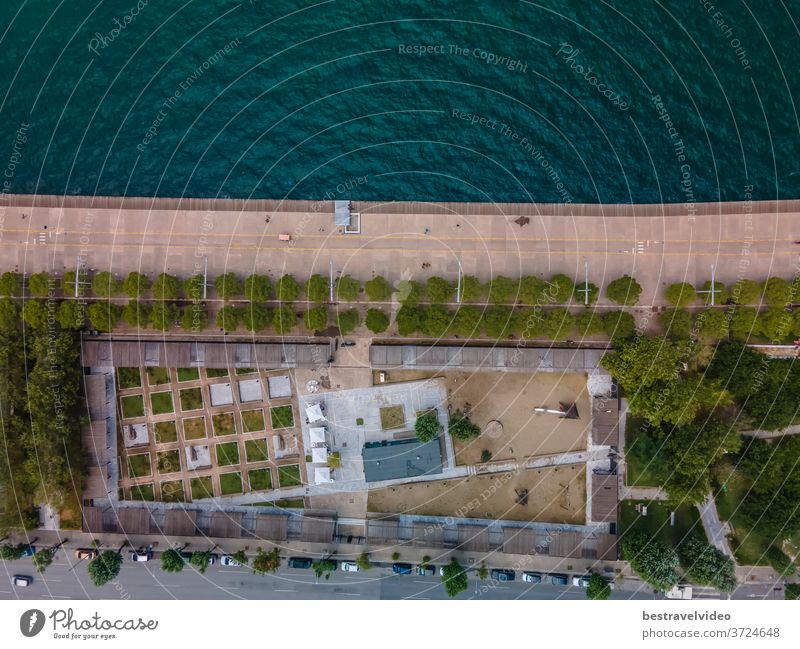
532	577
86	553
23	581
349	566
141	555
580	582
426	571
503	575
186	556
228	560
402	568
28	550
558	579
300	562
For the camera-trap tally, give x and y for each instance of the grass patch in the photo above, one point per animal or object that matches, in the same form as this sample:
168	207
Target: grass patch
224	424
253	420
162	403
202	487
289	476
139	465
166	432
360	421
129	377
290	503
172	492
256	450
191	399
230	483
281	417
132	406
143	492
392	417
194	428
157	375
245	370
657	522
260	479
188	373
168	461
227	453
216	372
644	464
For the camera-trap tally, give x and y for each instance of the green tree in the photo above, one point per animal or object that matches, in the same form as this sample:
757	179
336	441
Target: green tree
256	317
502	290
589	323
200	560
135	285
409	320
409	292
713	325
163	315
558	323
598	587
378	289
482	572
471	288
439	290
318	288
681	295
498	321
323	568
39	284
347	288
746	291
437	321
454	578
257	288
193	287
240	557
705	565
347	321
166	287
579	295
532	290
104	284
34	313
194	317
228	286
427	426
11	284
560	289
68	283
780	562
9	314
625	291
721	295
653	561
136	314
776	324
105	567
377	321
777	292
363	561
229	318
71	315
791	591
462	428
677	323
288	289
103	315
284	320
316	318
11	552
43	558
619	325
172	561
744	323
467	322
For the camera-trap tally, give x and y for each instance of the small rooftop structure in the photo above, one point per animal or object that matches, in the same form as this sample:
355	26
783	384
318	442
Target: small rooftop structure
198	457
317	435
322	475
135	435
314	413
250	390
319	455
279	387
401	459
221	394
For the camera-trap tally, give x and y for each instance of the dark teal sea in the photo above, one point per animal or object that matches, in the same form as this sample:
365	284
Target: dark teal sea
469	100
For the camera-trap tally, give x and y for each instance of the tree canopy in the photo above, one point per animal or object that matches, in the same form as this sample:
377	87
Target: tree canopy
377	321
258	288
598	588
624	290
172	561
680	295
706	565
135	285
347	321
454	578
284	320
378	289
427	426
347	288
166	287
316	318
228	286
462	428
318	288
288	289
105	567
439	290
654	562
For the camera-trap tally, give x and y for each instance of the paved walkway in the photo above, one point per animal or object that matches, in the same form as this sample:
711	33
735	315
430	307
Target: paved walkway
715	530
642	493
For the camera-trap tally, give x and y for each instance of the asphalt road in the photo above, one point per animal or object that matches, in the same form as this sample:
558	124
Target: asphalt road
68	579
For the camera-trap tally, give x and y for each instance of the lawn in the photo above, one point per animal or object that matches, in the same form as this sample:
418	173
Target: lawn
132	406
256	450
143	492
392	417
281	417
168	461
227	453
157	375
162	403
172	492
224	424
245	370
260	479
289	476
641	456
657	521
166	432
253	420
129	377
202	487
188	374
215	372
194	428
191	399
230	483
139	465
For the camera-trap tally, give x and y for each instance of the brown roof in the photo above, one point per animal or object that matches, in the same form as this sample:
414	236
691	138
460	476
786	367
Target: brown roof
605	496
272	527
473	538
382	530
428	534
226	525
317	529
605	421
93	520
180	522
133	521
95	386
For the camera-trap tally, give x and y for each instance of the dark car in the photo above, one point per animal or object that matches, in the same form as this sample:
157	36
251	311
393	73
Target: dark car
503	575
402	568
28	550
426	571
558	579
300	562
186	556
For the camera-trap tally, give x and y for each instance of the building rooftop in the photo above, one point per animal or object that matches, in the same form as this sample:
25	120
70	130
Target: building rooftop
401	459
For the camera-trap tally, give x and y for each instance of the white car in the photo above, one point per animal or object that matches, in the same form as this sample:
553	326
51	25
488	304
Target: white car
141	555
349	566
228	560
580	582
23	581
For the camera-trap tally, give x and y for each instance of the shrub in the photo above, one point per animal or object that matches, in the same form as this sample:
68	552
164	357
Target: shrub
318	288
347	288
347	321
498	321
439	290
377	321
378	289
625	291
777	292
619	325
229	318
228	286
163	315
409	320
11	284
462	428
257	288
486	455
104	284
532	290
136	314
316	318
579	294
467	322
284	320
103	316
746	291
39	284
776	324
677	323
427	426
721	295
713	324
560	289
135	285
502	290
437	320
288	289
681	295
256	317
744	322
471	288
166	287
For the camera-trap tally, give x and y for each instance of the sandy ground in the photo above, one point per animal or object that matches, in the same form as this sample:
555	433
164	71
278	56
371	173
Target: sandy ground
352	504
555	495
510	398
